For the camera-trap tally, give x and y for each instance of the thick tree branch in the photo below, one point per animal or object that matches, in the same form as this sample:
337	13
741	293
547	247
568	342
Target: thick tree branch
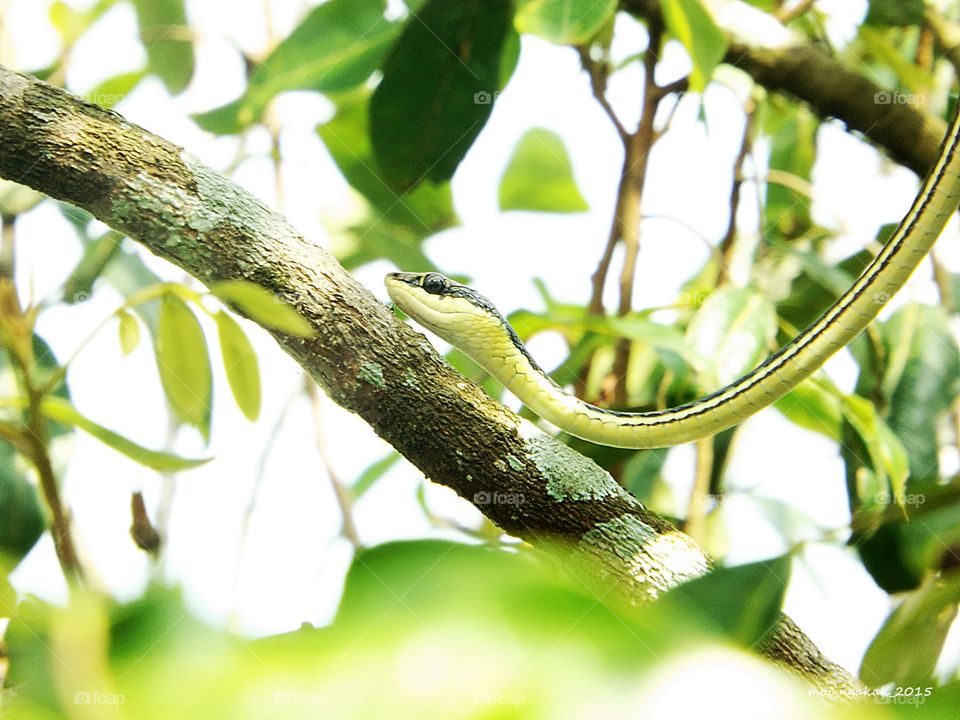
911	137
362	355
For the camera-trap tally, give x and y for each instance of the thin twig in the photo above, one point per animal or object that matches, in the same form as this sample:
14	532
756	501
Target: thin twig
638	154
341	491
727	243
695	524
7	240
786	15
598	84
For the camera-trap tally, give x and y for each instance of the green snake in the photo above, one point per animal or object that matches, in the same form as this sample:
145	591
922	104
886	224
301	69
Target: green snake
467	320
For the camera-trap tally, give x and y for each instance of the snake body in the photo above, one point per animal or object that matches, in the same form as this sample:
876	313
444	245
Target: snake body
469	321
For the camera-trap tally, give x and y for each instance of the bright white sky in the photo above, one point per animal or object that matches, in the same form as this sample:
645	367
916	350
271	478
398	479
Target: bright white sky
290	567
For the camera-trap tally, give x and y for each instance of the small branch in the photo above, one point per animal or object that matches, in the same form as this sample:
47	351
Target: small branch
340	491
7	245
947	35
728	242
598	84
695	524
786	15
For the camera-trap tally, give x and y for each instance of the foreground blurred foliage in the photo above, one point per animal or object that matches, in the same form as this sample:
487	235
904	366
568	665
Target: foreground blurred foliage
428	629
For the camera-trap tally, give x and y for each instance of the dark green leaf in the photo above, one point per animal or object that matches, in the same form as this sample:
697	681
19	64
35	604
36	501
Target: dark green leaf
642	470
97	254
539	176
63	412
168	40
691	23
184	364
262	306
437	89
22	521
895	12
336	48
921	378
744	602
906	649
565	22
421	211
240	364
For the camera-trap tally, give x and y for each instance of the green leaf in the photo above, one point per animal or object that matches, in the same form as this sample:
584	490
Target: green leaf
743	602
368	478
906	649
168	40
336	47
437	89
888	458
814	405
539	176
62	411
734	329
691	23
894	12
97	255
793	132
129	329
425	210
921	378
240	363
564	22
22	521
262	306
184	363
115	89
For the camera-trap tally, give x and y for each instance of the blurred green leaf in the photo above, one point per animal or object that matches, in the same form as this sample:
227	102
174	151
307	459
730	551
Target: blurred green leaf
906	649
894	12
564	22
734	329
642	470
114	90
888	458
337	47
539	176
63	412
262	306
691	23
16	199
97	254
129	330
454	46
22	519
376	470
921	378
240	364
168	40
184	364
744	601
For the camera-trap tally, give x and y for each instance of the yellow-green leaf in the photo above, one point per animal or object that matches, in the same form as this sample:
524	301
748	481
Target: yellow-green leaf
129	332
539	176
262	306
240	364
691	23
565	22
59	410
184	363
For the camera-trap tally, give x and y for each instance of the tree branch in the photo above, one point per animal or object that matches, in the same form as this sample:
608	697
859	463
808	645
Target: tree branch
361	354
910	136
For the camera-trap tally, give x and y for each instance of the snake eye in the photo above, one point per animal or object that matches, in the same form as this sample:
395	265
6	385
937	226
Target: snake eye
434	283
